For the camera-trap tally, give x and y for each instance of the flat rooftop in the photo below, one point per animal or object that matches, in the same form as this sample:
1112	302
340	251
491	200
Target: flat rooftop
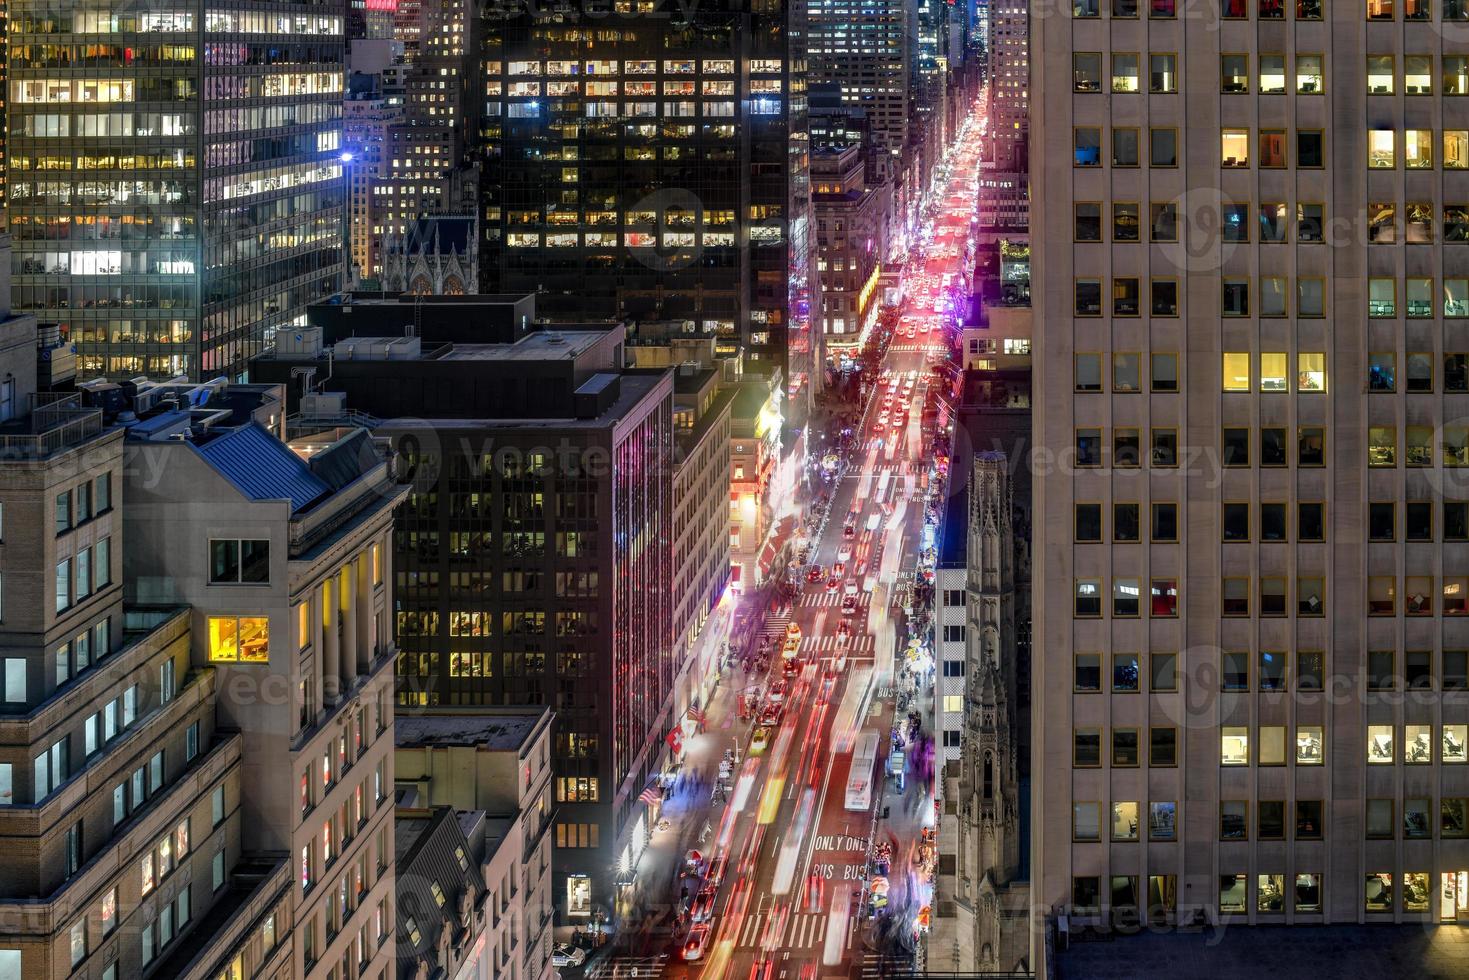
501	732
538	345
1369	952
634	388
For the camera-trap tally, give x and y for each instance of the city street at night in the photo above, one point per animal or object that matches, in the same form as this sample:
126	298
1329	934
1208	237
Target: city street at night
803	862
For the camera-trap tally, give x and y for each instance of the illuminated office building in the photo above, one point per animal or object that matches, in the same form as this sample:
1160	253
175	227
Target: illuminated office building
1009	82
863	49
175	188
1249	299
648	168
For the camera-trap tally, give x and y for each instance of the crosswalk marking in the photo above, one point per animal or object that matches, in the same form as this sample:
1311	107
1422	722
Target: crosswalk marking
831	646
831	599
775	626
626	967
803	930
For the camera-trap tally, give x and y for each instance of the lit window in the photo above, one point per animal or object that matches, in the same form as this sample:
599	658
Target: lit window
244	639
1234	746
1234	148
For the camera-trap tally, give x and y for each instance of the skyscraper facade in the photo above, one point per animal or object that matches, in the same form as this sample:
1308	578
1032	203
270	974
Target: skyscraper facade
656	168
863	49
175	185
1249	293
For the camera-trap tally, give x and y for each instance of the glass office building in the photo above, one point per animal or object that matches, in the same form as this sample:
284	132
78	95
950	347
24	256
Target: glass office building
175	181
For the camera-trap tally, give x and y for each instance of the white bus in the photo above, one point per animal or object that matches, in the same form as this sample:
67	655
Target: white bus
859	779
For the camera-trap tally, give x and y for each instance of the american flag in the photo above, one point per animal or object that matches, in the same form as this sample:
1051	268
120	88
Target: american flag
651	796
696	715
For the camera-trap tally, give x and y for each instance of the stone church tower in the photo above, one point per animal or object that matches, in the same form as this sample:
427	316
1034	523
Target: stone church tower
991	901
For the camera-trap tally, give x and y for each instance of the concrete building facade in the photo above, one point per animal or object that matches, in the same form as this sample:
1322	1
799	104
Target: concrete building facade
1255	496
479	781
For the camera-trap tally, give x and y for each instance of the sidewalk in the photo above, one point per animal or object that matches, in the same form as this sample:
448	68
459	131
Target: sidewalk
687	809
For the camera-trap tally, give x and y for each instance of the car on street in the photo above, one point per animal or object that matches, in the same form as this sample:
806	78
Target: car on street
565	954
703	907
861	569
694	945
839	569
833	583
844	631
716	870
791	667
844	552
770	715
777	692
849	531
849	605
760	741
850	588
814	573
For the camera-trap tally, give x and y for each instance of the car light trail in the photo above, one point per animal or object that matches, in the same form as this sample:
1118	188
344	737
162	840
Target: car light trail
785	868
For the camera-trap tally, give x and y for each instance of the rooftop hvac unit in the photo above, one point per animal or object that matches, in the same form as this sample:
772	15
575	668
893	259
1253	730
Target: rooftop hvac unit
305	342
324	404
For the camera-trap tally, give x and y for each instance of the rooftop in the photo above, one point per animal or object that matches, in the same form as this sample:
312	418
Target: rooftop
1423	952
633	389
488	728
538	345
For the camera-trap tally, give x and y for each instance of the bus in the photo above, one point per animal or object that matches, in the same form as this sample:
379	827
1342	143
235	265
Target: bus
859	778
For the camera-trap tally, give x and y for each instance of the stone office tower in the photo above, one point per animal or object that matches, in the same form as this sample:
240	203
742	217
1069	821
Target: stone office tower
1250	294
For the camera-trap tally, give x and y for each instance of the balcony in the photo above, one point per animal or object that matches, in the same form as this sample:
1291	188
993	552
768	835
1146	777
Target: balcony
50	427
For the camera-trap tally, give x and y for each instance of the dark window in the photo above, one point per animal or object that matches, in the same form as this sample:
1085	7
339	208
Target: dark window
1088	222
234	561
1455	520
1165	522
954	633
1381	521
1270	823
1418	520
1125	522
1086	894
1456	372
1272	447
1236	447
1308	819
1088	672
1088	522
1418	669
1380	670
953	597
1455	670
1309	148
1312	446
1236	522
953	668
1235	671
1311	522
1272	522
1088	749
1162	746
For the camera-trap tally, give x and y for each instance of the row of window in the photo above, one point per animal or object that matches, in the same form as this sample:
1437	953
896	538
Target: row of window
1234	449
1235	145
335	762
1419	11
1271	896
1273	745
83	502
1240	372
81	575
1127	595
1273	219
1308	10
1272	295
